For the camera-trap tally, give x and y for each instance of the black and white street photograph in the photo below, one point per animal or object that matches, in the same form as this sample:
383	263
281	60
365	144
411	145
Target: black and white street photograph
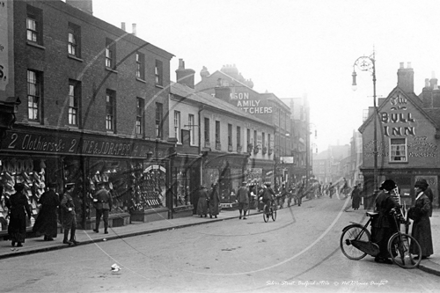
219	146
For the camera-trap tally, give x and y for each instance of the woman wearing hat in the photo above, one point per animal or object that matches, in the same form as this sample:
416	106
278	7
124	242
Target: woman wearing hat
383	225
419	213
18	208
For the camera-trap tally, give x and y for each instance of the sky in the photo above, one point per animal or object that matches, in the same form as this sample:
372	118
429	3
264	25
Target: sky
294	48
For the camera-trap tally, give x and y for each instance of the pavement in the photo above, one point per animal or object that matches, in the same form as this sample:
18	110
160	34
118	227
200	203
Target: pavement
36	245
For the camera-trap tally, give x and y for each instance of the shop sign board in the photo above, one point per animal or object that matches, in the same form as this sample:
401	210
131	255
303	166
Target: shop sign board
74	144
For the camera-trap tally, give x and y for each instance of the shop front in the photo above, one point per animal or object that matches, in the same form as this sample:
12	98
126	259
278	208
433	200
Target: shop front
228	171
135	171
405	180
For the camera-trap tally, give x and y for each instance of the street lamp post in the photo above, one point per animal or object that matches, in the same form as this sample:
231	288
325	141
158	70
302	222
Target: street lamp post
368	63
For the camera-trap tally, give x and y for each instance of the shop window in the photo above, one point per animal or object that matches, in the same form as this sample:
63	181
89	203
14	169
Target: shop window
73	103
140	66
159	120
73	40
35	84
398	150
110	111
34	25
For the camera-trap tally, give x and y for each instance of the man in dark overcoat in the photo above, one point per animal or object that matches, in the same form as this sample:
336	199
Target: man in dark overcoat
46	223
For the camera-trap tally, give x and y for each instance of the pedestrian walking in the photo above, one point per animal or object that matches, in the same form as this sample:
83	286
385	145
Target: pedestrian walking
46	223
103	205
243	200
214	200
383	225
356	197
19	212
69	215
419	213
202	205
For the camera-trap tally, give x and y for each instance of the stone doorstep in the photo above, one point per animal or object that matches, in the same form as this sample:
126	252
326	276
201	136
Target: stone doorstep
114	220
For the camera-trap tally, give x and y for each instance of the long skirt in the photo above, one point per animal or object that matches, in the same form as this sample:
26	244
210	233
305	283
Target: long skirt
202	207
17	227
421	231
46	223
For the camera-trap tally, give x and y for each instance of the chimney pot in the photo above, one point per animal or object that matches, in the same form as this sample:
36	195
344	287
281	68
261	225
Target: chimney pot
408	65
402	65
134	28
123	26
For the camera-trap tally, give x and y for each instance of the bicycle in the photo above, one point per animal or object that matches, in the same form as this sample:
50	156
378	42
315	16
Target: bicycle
355	243
269	211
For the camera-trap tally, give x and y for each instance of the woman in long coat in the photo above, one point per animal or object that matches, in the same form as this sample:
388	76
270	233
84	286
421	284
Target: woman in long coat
18	206
46	223
214	200
356	197
202	205
421	230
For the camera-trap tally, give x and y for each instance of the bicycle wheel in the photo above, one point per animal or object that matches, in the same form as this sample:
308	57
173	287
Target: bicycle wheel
274	214
265	214
351	233
405	251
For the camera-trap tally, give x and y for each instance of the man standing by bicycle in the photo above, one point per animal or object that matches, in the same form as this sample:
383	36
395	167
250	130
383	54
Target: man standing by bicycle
383	225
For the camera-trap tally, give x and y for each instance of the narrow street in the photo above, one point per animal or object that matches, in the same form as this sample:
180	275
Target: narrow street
298	252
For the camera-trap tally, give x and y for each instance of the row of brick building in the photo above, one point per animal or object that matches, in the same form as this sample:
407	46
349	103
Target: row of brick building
98	104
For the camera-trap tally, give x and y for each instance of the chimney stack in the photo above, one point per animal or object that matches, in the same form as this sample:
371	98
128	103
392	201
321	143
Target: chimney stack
185	76
134	29
123	26
84	5
405	78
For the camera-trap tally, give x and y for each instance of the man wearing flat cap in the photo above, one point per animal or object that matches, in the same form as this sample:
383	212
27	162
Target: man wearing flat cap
243	200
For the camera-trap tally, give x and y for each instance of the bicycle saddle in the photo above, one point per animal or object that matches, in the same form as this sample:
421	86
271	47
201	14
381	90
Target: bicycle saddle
372	214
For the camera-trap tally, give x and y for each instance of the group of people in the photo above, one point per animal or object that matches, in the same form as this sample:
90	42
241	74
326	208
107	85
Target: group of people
208	201
51	203
384	225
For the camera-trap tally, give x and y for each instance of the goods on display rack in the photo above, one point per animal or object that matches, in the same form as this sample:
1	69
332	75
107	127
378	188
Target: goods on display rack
33	176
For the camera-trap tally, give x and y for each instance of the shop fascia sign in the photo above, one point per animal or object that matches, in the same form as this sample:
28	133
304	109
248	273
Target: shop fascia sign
73	144
249	104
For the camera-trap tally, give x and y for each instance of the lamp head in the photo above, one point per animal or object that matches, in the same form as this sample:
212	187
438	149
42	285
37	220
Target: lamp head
354	85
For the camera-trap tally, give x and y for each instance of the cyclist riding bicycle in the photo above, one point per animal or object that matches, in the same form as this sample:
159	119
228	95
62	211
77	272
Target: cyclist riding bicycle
268	196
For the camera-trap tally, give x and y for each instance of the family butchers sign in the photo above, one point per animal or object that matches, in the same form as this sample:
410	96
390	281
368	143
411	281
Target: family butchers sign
74	145
251	106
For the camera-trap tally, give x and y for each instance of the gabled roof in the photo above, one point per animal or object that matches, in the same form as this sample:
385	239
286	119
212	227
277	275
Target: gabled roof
188	93
414	100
